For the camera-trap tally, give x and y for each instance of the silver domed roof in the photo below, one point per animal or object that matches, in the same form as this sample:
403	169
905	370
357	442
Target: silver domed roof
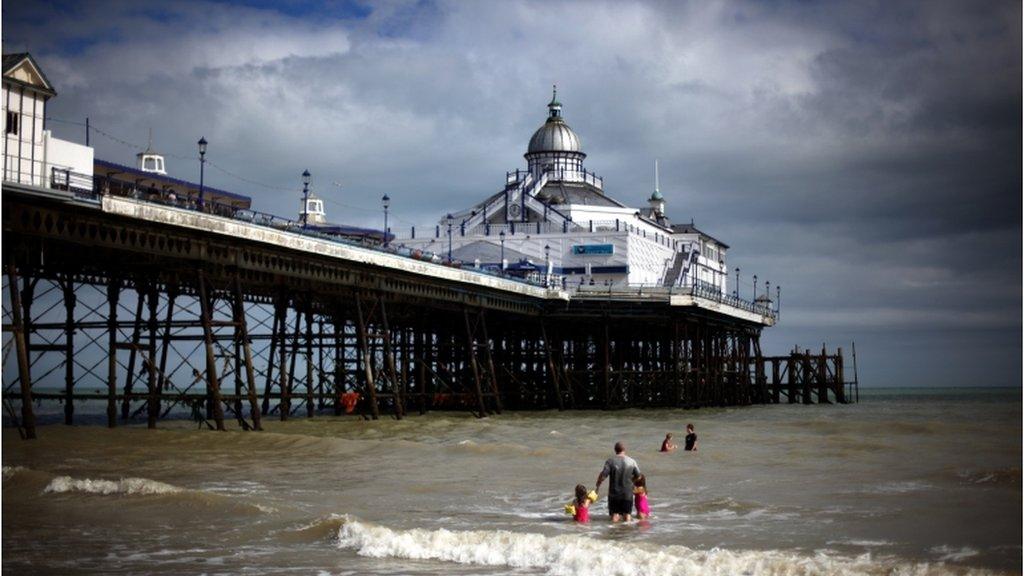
554	136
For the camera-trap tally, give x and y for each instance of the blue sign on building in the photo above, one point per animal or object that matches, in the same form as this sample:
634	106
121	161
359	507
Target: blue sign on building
593	249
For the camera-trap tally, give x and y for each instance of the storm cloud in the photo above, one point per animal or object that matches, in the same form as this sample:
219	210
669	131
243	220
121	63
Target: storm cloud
864	156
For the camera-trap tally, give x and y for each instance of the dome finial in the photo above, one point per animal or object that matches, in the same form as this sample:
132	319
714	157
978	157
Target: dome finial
554	107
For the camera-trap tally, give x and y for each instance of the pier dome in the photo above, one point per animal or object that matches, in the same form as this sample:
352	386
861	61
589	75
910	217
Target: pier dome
555	148
555	135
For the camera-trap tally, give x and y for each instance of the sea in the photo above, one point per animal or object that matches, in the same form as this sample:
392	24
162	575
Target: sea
905	482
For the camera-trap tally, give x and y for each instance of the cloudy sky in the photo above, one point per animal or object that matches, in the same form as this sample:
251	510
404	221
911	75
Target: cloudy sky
866	156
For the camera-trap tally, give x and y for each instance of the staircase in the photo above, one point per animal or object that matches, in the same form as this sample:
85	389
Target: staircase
681	264
524	194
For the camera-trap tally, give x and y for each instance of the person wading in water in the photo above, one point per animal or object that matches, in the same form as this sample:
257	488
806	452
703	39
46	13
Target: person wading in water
620	470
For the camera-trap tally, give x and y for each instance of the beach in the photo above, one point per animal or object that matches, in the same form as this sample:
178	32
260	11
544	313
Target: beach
908	481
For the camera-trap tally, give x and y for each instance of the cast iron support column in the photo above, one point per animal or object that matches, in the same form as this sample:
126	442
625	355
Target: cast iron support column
212	381
471	352
69	349
113	293
242	333
140	295
165	344
28	418
364	348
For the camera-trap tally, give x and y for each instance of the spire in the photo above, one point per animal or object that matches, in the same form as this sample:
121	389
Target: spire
657	192
554	107
149	144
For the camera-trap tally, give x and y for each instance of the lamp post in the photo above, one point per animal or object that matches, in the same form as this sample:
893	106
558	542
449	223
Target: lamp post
736	291
202	166
755	286
305	198
547	265
778	298
450	219
502	236
386	201
768	294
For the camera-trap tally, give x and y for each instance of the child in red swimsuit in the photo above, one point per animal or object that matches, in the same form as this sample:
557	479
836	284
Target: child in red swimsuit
643	508
582	505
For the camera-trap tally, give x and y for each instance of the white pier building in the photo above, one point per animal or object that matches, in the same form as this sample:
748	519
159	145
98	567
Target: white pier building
556	217
32	155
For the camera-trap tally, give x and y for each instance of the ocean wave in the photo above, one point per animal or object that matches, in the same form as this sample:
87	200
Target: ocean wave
128	486
574	555
950	554
898	487
1000	476
174	495
10	471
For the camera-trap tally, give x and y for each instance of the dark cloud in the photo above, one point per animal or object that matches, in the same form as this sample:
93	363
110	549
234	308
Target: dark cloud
866	156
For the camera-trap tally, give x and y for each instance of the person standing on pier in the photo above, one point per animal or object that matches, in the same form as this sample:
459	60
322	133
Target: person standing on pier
621	471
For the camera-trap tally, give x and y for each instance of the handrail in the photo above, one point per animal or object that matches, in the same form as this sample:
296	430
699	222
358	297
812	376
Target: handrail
706	292
258	218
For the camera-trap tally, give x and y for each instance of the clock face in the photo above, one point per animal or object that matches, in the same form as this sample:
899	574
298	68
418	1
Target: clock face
513	210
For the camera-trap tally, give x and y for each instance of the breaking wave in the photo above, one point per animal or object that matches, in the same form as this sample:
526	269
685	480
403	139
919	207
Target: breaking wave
573	555
10	471
128	486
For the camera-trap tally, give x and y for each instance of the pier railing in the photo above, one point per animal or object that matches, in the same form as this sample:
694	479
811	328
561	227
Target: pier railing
585	176
88	188
651	291
76	183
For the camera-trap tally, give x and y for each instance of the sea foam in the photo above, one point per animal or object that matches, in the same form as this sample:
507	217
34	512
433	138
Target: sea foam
10	471
127	486
573	555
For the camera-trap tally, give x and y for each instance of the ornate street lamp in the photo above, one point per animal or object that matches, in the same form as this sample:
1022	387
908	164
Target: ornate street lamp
305	198
450	220
386	201
202	165
547	265
736	291
502	236
755	287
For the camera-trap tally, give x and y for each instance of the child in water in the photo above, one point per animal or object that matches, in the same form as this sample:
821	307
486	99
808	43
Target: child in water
643	509
580	505
668	445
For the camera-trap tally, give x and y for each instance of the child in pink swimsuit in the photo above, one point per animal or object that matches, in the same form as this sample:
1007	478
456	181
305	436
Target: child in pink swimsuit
582	503
643	509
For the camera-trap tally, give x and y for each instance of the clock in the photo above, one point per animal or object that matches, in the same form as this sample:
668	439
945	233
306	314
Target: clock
514	210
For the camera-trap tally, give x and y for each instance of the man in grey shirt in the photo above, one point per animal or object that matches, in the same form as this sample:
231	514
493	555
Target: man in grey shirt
620	470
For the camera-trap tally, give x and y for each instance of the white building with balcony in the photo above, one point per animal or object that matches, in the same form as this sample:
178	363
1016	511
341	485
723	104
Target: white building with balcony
32	155
555	218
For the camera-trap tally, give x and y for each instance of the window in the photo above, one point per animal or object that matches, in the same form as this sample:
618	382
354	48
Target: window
12	123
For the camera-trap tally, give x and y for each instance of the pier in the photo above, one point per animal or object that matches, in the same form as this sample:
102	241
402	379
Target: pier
243	318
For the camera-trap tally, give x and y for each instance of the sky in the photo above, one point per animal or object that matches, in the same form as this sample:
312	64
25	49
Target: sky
864	156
